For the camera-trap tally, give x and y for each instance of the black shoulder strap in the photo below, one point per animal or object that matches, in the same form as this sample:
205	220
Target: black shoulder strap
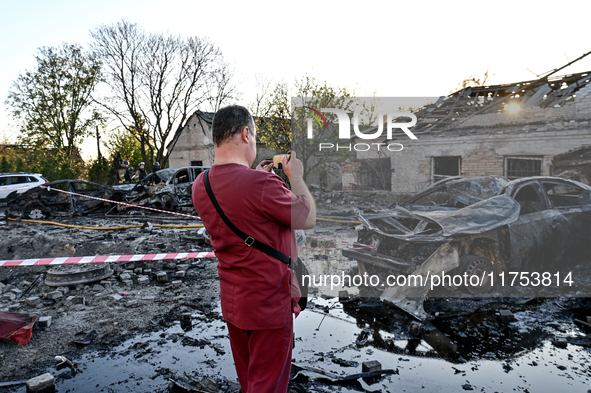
248	240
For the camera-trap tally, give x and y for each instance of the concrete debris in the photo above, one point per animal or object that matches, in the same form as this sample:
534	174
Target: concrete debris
506	316
54	295
371	365
186	321
41	384
33	301
171	265
86	340
44	322
76	300
176	284
343	295
162	277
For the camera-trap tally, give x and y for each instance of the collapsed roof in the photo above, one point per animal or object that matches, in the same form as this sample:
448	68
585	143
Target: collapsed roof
548	91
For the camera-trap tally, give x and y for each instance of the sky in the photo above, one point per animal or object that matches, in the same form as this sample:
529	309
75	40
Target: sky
400	49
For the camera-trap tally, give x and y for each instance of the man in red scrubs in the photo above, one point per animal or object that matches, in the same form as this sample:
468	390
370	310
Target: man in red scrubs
255	288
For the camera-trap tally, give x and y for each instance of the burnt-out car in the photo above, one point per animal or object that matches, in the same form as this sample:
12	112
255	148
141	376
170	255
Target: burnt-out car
482	226
168	188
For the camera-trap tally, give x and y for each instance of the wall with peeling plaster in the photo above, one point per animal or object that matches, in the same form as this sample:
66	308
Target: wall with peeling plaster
194	144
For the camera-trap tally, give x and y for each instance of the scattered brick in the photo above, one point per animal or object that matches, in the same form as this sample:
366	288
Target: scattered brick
343	295
54	295
44	322
41	383
507	316
162	277
177	284
371	365
33	301
171	265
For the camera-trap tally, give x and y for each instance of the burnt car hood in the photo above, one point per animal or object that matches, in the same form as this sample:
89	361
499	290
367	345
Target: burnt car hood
477	218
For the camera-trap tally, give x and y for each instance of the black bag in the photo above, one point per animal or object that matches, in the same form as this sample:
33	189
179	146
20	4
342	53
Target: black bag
299	268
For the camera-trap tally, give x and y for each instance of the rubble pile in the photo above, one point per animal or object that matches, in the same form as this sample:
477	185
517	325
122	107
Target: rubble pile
130	297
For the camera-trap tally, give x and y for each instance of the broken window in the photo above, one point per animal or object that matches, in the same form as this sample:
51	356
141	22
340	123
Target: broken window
516	167
182	177
566	195
436	198
530	199
444	167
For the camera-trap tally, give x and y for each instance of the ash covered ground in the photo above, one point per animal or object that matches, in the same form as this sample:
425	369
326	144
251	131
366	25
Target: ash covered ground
135	341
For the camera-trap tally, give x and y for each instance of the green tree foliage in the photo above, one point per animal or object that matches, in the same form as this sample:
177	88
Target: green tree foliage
56	165
283	127
5	165
53	102
101	171
124	146
157	81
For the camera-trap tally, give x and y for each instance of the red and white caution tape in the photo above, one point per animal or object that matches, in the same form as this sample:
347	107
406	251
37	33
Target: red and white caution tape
106	258
122	203
130	258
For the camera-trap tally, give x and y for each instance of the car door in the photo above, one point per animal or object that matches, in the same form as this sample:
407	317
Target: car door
531	236
573	232
183	180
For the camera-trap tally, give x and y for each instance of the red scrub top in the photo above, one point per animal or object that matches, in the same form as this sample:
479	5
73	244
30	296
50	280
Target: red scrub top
255	287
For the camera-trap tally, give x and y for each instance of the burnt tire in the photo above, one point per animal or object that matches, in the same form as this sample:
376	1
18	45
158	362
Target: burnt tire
482	267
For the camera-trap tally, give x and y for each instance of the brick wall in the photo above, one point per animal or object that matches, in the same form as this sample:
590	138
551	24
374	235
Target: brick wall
351	170
482	161
481	154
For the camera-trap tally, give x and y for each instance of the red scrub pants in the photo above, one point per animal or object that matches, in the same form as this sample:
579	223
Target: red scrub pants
262	358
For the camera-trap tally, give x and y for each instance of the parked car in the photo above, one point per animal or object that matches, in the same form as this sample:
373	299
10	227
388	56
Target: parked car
481	226
18	182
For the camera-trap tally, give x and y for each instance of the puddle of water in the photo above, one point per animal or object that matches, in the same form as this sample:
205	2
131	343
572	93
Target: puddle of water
538	368
145	362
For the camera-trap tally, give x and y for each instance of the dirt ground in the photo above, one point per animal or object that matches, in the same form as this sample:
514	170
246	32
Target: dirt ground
138	344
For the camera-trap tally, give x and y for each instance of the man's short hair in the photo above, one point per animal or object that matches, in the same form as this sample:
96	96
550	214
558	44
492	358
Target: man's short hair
229	121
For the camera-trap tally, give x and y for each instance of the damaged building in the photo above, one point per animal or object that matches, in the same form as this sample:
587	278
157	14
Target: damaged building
195	147
513	130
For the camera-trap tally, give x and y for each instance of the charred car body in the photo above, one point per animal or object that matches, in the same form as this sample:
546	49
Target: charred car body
167	189
481	226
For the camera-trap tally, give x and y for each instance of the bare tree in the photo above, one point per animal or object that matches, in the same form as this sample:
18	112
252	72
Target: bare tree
157	81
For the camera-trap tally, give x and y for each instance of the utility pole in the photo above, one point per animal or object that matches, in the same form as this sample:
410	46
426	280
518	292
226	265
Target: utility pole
98	144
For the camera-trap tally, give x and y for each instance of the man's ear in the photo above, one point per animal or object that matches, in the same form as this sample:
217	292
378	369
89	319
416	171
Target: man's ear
245	134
